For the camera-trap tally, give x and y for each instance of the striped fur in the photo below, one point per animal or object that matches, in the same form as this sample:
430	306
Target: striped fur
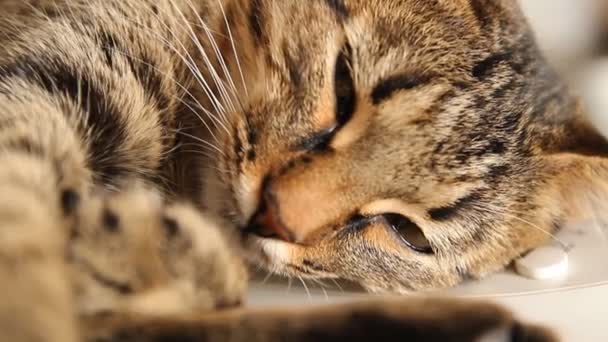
147	146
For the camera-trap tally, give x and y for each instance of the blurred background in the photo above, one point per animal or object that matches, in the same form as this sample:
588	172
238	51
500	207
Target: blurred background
574	37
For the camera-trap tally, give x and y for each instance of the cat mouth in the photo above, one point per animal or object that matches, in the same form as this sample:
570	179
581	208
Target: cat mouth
269	253
269	244
282	258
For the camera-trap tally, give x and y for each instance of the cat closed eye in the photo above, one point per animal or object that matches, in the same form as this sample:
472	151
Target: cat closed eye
319	141
345	104
344	87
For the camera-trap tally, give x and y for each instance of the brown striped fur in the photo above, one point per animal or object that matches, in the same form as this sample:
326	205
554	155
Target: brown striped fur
404	145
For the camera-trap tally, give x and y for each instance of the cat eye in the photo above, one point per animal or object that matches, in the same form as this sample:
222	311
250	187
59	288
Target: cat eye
344	87
345	99
409	232
319	141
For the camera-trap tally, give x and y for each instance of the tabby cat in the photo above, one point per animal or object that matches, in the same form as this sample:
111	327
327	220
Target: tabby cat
149	147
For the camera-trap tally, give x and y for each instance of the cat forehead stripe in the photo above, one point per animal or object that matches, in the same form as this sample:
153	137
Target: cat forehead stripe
387	87
447	212
339	8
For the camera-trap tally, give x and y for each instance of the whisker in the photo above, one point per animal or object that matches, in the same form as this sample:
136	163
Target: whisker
196	41
268	276
206	147
305	288
318	281
325	294
201	141
194	70
218	55
289	283
337	285
236	55
202	153
222	61
502	211
322	285
191	65
173	149
181	100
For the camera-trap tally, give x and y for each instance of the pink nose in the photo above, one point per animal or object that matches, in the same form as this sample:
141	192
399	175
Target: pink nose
267	225
267	221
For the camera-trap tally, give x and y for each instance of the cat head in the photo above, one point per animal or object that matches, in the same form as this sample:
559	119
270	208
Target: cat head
399	144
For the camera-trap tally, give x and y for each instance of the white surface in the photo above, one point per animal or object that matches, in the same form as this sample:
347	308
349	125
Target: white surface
576	314
548	262
579	314
575	305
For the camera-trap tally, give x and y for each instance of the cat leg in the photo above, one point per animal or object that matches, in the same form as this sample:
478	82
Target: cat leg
43	178
396	319
133	254
35	301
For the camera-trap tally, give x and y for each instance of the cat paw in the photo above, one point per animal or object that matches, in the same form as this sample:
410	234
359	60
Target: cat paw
36	300
132	253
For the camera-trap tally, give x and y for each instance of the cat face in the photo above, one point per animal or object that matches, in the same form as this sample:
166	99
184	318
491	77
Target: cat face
400	144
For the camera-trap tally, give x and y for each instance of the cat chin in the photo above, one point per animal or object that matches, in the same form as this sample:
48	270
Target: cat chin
278	257
268	253
383	290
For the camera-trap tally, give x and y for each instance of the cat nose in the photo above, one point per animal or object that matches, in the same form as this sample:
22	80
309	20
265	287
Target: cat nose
266	222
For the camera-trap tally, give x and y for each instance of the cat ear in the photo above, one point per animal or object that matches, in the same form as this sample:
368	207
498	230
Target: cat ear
578	168
580	184
571	131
